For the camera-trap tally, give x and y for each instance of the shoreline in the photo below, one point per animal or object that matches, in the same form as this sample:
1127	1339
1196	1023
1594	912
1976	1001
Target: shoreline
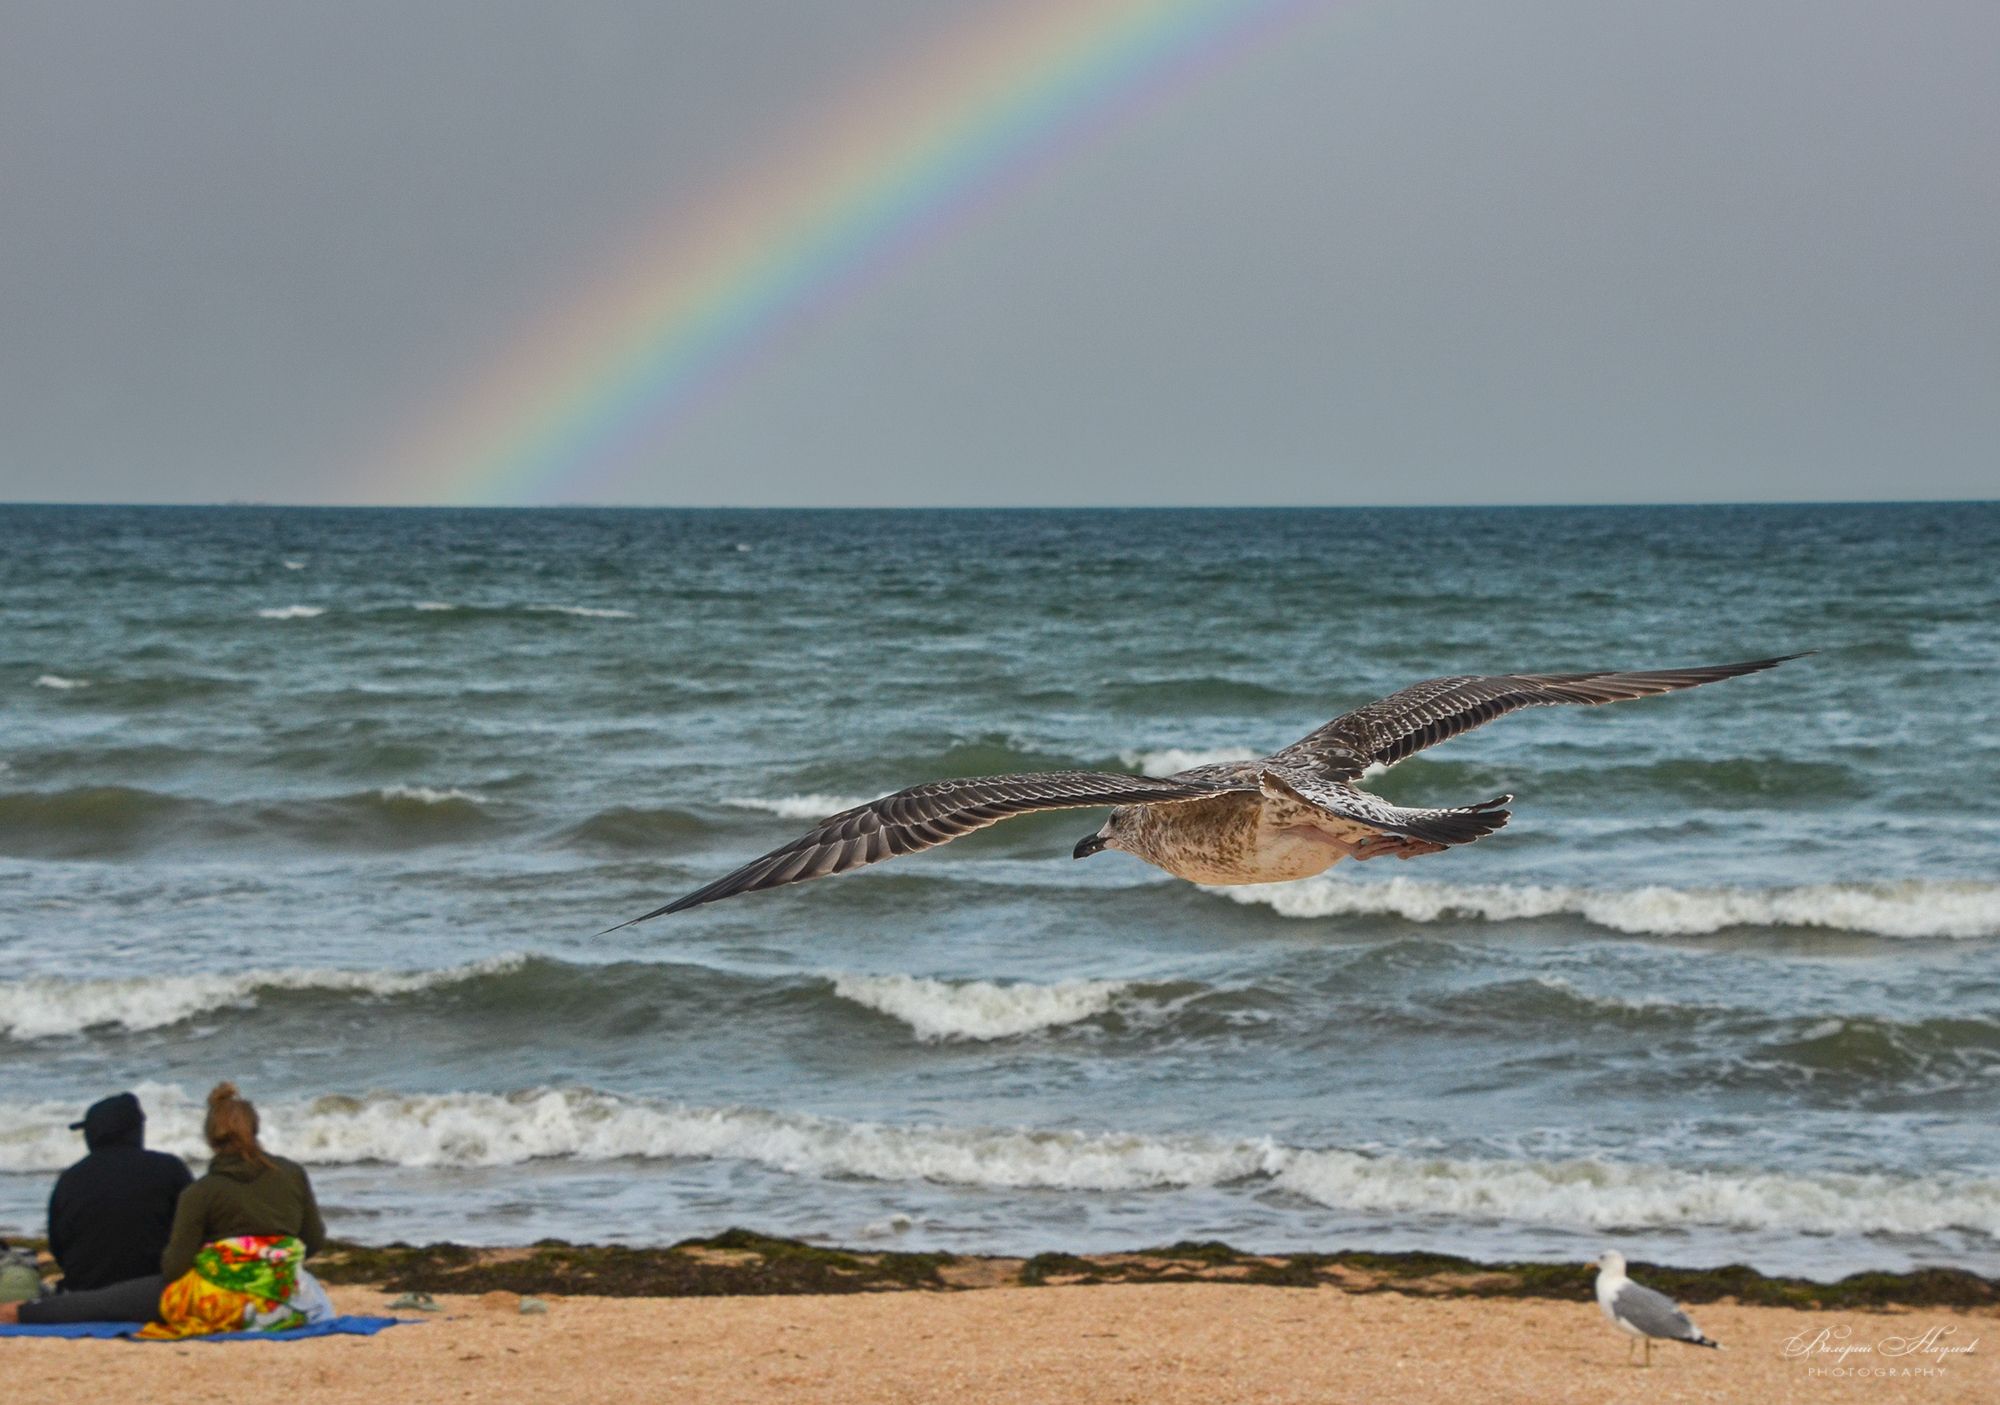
742	1262
747	1263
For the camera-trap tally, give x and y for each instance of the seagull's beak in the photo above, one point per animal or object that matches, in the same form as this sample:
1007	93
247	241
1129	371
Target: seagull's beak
1088	845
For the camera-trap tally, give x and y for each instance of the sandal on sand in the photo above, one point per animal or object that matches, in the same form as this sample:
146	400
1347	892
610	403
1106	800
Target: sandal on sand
416	1302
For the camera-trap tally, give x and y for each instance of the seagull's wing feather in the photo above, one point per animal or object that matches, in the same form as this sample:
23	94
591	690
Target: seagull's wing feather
1460	824
1655	1314
1429	712
924	816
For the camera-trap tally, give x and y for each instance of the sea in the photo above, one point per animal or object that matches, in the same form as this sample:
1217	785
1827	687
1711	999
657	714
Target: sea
338	804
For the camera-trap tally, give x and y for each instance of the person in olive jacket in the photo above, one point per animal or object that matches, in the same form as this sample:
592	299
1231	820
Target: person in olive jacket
247	1190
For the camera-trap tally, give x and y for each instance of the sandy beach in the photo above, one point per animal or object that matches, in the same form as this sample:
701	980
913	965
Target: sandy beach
1152	1343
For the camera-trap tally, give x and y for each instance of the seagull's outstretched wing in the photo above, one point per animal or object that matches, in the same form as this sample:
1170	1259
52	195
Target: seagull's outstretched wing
928	815
1427	713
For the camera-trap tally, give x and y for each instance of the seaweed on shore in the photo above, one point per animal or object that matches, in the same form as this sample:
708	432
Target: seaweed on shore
744	1262
732	1264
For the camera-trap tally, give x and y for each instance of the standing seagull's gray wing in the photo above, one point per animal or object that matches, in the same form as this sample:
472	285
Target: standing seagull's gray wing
928	815
1655	1314
1436	709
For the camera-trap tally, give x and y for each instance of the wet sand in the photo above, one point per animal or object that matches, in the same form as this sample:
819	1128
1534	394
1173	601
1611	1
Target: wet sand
1152	1343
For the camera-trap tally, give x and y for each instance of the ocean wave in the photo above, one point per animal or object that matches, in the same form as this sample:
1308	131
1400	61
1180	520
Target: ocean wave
1176	695
797	807
979	1010
432	606
89	821
1599	1194
592	612
1738	782
295	565
105	822
60	683
44	1007
424	795
1170	759
1913	908
291	612
627	828
390	816
473	1129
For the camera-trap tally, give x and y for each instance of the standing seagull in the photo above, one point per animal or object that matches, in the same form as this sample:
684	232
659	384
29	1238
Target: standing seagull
1293	814
1640	1311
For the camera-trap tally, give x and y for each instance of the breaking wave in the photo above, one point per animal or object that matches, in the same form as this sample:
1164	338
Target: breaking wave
467	1129
1903	909
291	612
425	795
45	1007
1167	760
592	612
60	683
798	807
979	1010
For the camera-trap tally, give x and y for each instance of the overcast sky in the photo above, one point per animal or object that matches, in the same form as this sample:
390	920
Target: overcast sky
1414	252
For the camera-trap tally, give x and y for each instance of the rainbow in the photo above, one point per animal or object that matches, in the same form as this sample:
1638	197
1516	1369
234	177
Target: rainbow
585	399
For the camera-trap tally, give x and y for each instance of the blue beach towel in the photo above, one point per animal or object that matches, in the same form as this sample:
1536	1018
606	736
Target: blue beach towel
337	1327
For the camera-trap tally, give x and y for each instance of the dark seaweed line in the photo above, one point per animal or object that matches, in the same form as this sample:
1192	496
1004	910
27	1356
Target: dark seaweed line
742	1262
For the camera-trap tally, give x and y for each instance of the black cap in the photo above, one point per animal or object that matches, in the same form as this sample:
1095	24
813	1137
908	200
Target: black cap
111	1121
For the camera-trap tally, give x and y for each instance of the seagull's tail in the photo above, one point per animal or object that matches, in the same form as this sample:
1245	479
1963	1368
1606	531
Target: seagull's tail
1458	825
1699	1340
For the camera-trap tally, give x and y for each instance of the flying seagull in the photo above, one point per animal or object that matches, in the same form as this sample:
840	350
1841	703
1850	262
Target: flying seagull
1640	1311
1293	814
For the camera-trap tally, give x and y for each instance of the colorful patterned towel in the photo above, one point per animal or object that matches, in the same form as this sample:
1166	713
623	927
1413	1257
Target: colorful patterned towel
245	1284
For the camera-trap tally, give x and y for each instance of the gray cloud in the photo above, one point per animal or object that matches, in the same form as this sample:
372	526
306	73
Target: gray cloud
1451	251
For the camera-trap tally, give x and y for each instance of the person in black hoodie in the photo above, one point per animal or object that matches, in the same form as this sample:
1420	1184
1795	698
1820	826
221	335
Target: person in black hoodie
109	1220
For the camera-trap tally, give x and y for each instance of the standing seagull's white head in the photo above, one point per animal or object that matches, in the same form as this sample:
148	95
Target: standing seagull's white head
1612	1262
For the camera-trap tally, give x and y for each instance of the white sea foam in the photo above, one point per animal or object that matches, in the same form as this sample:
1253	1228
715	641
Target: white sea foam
586	611
291	612
1167	760
428	796
796	807
1616	1194
41	1007
1903	909
939	1010
295	565
433	605
464	1129
60	683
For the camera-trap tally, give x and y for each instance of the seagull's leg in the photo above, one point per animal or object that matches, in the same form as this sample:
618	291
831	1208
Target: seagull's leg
1649	1351
1631	1345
